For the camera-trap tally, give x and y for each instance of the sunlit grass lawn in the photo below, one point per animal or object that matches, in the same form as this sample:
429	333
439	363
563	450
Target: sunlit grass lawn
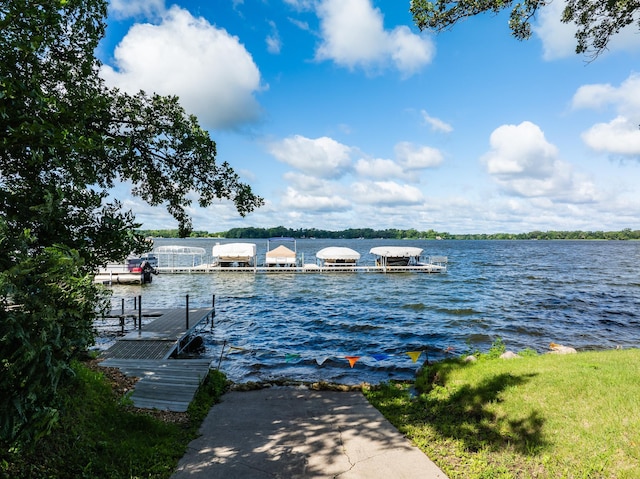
548	416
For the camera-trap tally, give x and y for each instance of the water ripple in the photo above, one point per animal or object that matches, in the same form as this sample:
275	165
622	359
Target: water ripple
303	327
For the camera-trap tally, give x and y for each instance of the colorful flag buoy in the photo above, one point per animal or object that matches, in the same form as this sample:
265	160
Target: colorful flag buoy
320	360
414	355
290	357
352	359
380	357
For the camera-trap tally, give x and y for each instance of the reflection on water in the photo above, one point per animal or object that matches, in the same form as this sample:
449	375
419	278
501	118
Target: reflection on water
303	326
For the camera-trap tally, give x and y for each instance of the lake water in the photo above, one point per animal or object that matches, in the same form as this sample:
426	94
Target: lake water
584	294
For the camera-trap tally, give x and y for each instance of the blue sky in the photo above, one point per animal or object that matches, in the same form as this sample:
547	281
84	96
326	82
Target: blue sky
341	114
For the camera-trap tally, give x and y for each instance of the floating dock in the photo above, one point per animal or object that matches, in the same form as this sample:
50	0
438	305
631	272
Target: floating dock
165	383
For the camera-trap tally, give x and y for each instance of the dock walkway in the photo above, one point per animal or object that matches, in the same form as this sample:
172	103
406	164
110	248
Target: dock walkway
305	269
165	383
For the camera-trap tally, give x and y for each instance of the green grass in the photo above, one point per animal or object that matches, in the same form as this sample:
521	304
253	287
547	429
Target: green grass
574	416
98	435
549	416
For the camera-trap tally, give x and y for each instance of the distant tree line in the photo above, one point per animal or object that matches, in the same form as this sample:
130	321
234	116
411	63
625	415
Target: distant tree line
625	234
369	233
351	233
167	233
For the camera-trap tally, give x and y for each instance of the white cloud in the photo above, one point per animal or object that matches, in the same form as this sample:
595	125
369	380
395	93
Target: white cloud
621	135
387	193
524	163
274	43
322	179
558	39
301	4
378	168
294	199
137	8
323	157
312	194
594	96
306	183
625	99
300	24
413	157
209	69
436	123
353	35
520	150
410	52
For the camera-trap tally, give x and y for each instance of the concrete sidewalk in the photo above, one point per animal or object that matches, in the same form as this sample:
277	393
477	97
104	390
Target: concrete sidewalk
293	433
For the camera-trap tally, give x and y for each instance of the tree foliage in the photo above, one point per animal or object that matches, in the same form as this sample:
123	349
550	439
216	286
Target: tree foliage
65	140
596	20
45	318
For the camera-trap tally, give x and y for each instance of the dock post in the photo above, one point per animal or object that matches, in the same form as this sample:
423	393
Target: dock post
213	310
122	318
187	313
221	353
139	313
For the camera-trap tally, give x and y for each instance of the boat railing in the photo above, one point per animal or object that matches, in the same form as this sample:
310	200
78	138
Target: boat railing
340	266
440	261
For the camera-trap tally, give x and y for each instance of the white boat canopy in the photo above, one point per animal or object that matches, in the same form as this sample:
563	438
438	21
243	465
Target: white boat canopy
281	255
234	251
338	253
396	255
396	251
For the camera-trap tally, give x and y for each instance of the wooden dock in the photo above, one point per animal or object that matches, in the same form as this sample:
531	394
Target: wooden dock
168	384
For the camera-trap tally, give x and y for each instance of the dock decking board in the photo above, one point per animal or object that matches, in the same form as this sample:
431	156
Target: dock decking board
143	349
168	384
158	339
